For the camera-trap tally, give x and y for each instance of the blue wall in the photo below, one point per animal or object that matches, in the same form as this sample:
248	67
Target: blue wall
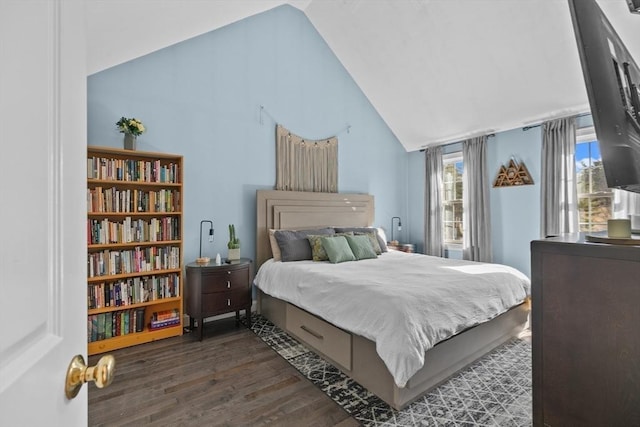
515	211
201	98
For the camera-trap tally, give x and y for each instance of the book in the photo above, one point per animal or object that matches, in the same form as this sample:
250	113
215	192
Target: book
101	330
108	325
159	324
118	317
125	322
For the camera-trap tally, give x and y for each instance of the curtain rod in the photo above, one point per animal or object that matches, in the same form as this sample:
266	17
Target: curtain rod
526	128
490	135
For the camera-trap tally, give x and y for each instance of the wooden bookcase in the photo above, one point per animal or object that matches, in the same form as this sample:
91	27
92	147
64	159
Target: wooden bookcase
134	247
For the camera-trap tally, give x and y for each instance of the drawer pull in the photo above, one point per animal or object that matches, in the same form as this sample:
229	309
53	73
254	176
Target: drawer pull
228	272
228	284
311	332
228	302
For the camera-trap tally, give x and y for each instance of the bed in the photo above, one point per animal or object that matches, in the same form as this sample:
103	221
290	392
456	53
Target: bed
356	351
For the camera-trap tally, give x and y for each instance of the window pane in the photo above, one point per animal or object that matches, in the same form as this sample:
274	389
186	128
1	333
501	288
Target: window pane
457	211
599	182
595	199
457	226
600	211
583	180
448	212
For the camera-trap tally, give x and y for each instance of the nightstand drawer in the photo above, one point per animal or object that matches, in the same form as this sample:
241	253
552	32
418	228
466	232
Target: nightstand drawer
223	281
225	301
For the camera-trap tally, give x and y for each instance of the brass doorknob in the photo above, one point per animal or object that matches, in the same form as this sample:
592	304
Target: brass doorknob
78	373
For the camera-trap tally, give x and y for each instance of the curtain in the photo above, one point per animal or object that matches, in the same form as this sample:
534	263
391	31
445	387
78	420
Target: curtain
476	219
625	203
306	165
559	191
433	230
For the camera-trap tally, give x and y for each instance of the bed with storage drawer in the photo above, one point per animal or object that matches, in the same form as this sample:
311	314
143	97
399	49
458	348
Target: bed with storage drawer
399	324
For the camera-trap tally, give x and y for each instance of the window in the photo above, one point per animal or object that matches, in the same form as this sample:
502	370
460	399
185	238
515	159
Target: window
595	200
452	198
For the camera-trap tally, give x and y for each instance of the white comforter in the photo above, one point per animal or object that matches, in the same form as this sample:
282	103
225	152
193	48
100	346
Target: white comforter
405	303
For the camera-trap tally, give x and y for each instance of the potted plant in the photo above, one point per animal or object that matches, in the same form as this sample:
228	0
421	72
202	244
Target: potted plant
131	128
233	245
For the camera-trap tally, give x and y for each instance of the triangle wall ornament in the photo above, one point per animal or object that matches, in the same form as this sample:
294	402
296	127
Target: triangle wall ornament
514	173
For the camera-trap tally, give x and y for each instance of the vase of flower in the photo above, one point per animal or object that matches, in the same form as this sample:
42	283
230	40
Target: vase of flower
131	128
129	141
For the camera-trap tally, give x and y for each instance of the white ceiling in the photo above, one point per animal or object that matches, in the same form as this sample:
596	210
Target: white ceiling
436	70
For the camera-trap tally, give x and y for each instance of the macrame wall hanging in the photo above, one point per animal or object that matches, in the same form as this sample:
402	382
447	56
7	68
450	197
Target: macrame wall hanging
512	174
304	164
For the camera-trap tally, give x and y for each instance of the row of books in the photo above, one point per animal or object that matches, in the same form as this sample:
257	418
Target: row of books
105	231
101	200
110	262
165	319
134	290
131	170
117	323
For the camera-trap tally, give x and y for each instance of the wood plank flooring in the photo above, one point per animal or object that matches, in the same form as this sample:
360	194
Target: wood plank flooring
231	378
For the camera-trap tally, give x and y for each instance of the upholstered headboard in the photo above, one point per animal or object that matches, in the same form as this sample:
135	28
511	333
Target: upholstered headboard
298	210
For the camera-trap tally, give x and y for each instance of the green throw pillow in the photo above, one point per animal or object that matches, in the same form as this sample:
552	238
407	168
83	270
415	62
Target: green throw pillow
361	247
338	249
374	241
317	250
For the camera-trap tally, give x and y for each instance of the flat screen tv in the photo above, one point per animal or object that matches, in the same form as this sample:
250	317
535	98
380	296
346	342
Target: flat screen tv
612	78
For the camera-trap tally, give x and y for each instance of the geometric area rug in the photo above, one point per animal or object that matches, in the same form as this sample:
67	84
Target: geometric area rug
495	390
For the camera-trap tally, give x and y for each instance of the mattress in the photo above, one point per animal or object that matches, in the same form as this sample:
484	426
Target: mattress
405	303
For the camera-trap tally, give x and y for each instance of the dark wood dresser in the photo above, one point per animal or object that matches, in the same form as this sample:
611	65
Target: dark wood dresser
218	289
585	333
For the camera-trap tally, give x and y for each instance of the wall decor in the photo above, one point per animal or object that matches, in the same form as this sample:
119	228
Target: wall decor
514	173
306	165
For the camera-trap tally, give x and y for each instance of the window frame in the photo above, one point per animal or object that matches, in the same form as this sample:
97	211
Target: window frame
452	158
586	135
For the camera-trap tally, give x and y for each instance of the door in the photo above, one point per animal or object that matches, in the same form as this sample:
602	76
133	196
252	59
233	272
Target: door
42	240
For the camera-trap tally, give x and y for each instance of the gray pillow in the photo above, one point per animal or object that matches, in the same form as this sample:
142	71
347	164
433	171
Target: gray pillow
294	245
381	242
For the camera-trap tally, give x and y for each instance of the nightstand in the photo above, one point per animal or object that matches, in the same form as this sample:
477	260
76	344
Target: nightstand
213	289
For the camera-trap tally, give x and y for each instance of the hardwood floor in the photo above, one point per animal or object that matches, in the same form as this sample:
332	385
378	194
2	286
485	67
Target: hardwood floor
231	378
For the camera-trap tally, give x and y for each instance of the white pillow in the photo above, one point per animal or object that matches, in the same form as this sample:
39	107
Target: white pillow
275	249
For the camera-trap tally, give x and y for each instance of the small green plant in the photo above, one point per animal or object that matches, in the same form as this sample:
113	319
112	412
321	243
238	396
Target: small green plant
234	242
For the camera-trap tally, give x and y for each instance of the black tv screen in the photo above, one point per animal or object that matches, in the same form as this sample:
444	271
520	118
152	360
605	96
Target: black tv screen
612	78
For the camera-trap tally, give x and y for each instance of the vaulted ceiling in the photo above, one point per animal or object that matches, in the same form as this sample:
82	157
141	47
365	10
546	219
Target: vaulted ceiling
437	71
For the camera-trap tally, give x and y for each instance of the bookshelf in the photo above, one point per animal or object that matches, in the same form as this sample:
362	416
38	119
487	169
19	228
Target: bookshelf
134	247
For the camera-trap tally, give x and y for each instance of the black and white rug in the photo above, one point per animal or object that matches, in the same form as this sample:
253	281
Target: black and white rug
493	391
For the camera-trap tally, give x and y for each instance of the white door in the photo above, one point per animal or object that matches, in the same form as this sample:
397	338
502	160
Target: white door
42	211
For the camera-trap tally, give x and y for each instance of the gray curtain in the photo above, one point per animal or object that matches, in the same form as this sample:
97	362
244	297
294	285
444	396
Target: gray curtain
476	219
306	165
559	190
433	226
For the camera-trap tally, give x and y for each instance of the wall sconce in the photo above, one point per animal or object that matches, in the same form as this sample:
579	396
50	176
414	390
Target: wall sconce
200	258
399	225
